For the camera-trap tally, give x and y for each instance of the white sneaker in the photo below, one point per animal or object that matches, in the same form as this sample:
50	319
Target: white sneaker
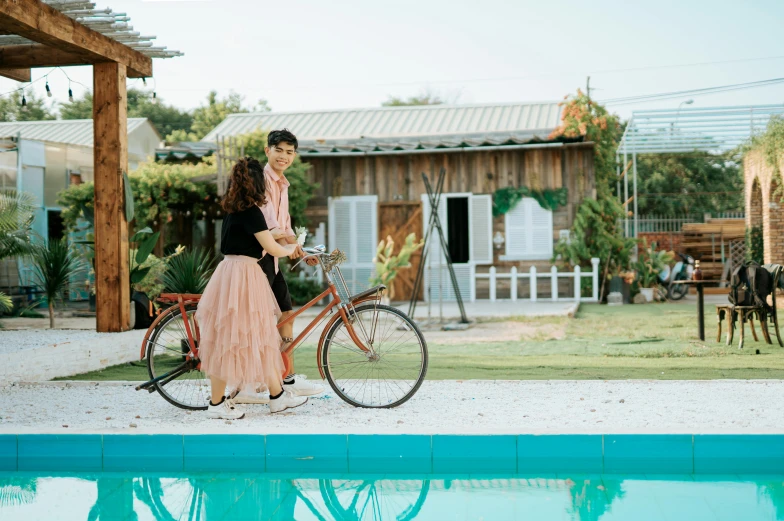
301	387
256	397
225	410
286	401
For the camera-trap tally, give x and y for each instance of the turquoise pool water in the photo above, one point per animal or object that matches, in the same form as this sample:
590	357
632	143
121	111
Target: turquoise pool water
210	497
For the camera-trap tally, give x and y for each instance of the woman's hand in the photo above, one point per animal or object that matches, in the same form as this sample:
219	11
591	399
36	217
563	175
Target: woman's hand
269	244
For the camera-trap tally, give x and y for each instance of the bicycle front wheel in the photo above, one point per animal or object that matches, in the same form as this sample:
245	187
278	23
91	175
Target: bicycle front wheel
183	384
390	373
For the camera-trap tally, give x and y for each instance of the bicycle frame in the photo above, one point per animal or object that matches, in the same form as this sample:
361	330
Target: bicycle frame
182	300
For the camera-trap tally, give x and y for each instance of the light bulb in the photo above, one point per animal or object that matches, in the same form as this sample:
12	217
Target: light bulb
144	81
24	101
48	90
70	95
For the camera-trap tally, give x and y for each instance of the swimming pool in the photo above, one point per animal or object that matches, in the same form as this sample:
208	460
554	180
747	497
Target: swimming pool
209	497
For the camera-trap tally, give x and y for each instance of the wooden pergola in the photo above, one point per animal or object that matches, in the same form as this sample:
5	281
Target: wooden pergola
71	32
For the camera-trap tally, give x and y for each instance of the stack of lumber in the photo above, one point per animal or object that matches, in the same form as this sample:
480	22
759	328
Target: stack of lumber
704	242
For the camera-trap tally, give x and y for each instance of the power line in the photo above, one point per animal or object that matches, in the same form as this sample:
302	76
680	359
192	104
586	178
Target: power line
692	92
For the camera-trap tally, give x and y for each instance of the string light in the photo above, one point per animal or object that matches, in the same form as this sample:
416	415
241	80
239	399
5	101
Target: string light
144	81
24	101
48	90
70	93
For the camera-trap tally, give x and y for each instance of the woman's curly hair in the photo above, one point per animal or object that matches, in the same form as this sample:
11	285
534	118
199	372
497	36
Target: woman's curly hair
246	186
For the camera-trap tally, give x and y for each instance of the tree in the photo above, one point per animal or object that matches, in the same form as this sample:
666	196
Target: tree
165	118
696	183
35	108
79	108
426	97
205	118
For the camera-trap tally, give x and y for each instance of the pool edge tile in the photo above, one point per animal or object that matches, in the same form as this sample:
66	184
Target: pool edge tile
9	452
390	453
213	452
60	452
159	452
738	454
648	453
480	453
536	453
307	452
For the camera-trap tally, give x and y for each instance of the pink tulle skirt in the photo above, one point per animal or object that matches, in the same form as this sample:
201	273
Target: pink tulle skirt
237	316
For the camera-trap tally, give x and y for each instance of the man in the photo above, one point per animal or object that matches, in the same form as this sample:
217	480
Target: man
281	151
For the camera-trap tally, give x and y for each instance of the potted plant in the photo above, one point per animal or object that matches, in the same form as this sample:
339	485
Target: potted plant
649	265
387	265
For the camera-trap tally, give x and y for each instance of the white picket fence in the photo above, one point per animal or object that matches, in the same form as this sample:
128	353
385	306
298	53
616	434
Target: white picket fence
533	277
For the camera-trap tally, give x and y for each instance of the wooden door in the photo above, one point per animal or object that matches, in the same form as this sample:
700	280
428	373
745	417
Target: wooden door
398	219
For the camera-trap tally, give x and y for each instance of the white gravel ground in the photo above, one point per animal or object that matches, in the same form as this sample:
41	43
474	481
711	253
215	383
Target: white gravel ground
454	407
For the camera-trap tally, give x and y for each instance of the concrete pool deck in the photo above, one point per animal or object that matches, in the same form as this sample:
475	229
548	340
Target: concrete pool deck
440	407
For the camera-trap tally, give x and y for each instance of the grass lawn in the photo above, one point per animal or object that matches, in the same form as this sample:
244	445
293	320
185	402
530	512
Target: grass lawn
609	343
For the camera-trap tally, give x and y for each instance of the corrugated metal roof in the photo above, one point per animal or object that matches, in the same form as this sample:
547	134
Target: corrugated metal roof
68	131
403	128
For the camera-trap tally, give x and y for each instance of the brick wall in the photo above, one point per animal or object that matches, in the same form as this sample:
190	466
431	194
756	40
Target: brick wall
763	206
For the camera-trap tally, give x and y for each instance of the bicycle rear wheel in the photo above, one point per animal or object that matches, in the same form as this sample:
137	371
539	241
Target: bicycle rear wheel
167	348
391	373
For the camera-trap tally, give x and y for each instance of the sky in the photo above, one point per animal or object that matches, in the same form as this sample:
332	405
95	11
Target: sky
315	55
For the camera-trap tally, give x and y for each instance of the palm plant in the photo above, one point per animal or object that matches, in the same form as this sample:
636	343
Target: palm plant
16	218
189	271
54	264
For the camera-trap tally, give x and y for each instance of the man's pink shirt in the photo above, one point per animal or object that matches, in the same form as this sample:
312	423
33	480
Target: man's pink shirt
276	211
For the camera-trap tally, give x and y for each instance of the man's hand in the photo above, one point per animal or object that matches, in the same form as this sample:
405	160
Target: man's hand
298	253
311	261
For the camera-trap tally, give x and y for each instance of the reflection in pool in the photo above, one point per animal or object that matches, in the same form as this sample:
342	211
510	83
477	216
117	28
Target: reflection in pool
115	497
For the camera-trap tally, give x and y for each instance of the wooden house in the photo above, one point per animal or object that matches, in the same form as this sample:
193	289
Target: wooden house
369	163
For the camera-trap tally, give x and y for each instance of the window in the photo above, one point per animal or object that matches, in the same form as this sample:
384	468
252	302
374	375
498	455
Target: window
529	232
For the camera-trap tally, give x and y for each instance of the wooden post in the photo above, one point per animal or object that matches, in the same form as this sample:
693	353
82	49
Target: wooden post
112	285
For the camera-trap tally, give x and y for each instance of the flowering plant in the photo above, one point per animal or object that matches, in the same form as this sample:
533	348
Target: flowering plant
301	232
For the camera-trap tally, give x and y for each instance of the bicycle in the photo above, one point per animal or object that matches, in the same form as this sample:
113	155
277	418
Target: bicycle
372	355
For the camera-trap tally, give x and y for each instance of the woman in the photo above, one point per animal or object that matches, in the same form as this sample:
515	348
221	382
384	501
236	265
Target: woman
237	314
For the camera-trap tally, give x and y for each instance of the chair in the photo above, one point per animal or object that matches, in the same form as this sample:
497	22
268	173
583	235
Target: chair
745	314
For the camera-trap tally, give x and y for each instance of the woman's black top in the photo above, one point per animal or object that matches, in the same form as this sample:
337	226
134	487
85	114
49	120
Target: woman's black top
237	235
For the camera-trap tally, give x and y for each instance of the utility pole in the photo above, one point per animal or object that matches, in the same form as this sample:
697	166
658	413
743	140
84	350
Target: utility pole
588	88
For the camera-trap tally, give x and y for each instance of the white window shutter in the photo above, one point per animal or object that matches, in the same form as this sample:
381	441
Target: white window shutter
340	210
481	223
529	231
541	230
353	228
517	233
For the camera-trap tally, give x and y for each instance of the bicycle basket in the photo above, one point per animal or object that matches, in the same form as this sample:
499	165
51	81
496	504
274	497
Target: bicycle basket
331	266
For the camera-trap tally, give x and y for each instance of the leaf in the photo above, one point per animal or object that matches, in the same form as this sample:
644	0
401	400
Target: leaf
138	274
146	246
129	207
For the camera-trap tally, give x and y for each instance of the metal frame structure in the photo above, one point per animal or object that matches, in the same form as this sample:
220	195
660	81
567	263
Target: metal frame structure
714	130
